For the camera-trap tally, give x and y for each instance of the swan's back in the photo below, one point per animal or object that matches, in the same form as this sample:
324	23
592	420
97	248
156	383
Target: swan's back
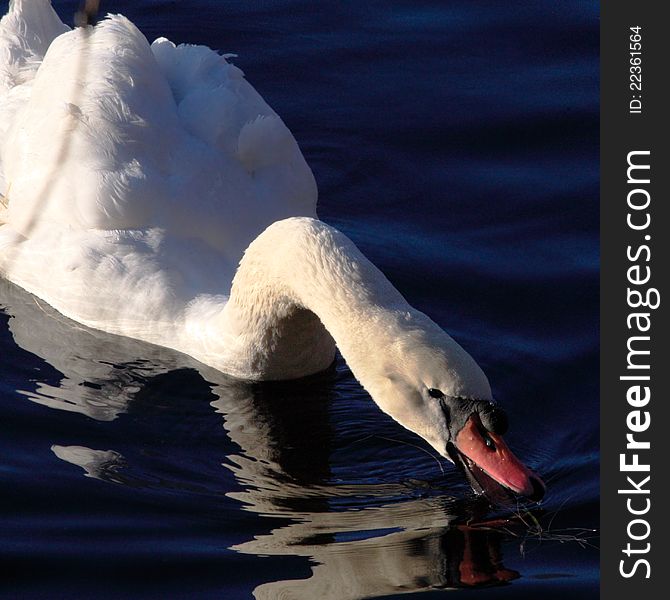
113	134
133	176
26	32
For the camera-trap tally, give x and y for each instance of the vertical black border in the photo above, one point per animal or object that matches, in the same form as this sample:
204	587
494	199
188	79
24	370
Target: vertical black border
621	133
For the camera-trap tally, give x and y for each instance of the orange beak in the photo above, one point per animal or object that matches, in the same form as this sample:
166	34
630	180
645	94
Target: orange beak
488	456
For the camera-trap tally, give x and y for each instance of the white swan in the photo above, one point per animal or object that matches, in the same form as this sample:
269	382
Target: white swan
135	177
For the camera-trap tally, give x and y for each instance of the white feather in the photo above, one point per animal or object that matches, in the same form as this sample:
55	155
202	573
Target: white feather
135	177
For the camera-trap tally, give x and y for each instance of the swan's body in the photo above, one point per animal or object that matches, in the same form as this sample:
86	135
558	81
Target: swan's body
134	180
135	177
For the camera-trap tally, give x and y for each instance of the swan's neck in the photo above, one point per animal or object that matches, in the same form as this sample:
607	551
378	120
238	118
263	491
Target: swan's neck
302	287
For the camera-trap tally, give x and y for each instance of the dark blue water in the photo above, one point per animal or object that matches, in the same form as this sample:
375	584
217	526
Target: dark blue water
456	143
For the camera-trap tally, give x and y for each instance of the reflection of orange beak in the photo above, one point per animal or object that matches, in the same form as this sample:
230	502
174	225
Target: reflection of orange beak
489	453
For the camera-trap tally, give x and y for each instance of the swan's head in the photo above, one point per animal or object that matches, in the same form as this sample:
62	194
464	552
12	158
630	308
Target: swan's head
431	386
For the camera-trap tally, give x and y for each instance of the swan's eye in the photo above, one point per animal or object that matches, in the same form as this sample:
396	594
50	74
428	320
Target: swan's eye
434	393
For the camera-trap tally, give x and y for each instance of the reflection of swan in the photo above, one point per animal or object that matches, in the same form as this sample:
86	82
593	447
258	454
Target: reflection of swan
368	538
100	371
352	564
134	179
98	464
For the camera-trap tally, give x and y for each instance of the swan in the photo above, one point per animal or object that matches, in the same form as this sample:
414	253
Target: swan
149	191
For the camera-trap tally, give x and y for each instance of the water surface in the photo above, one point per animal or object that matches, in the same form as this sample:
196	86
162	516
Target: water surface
455	143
